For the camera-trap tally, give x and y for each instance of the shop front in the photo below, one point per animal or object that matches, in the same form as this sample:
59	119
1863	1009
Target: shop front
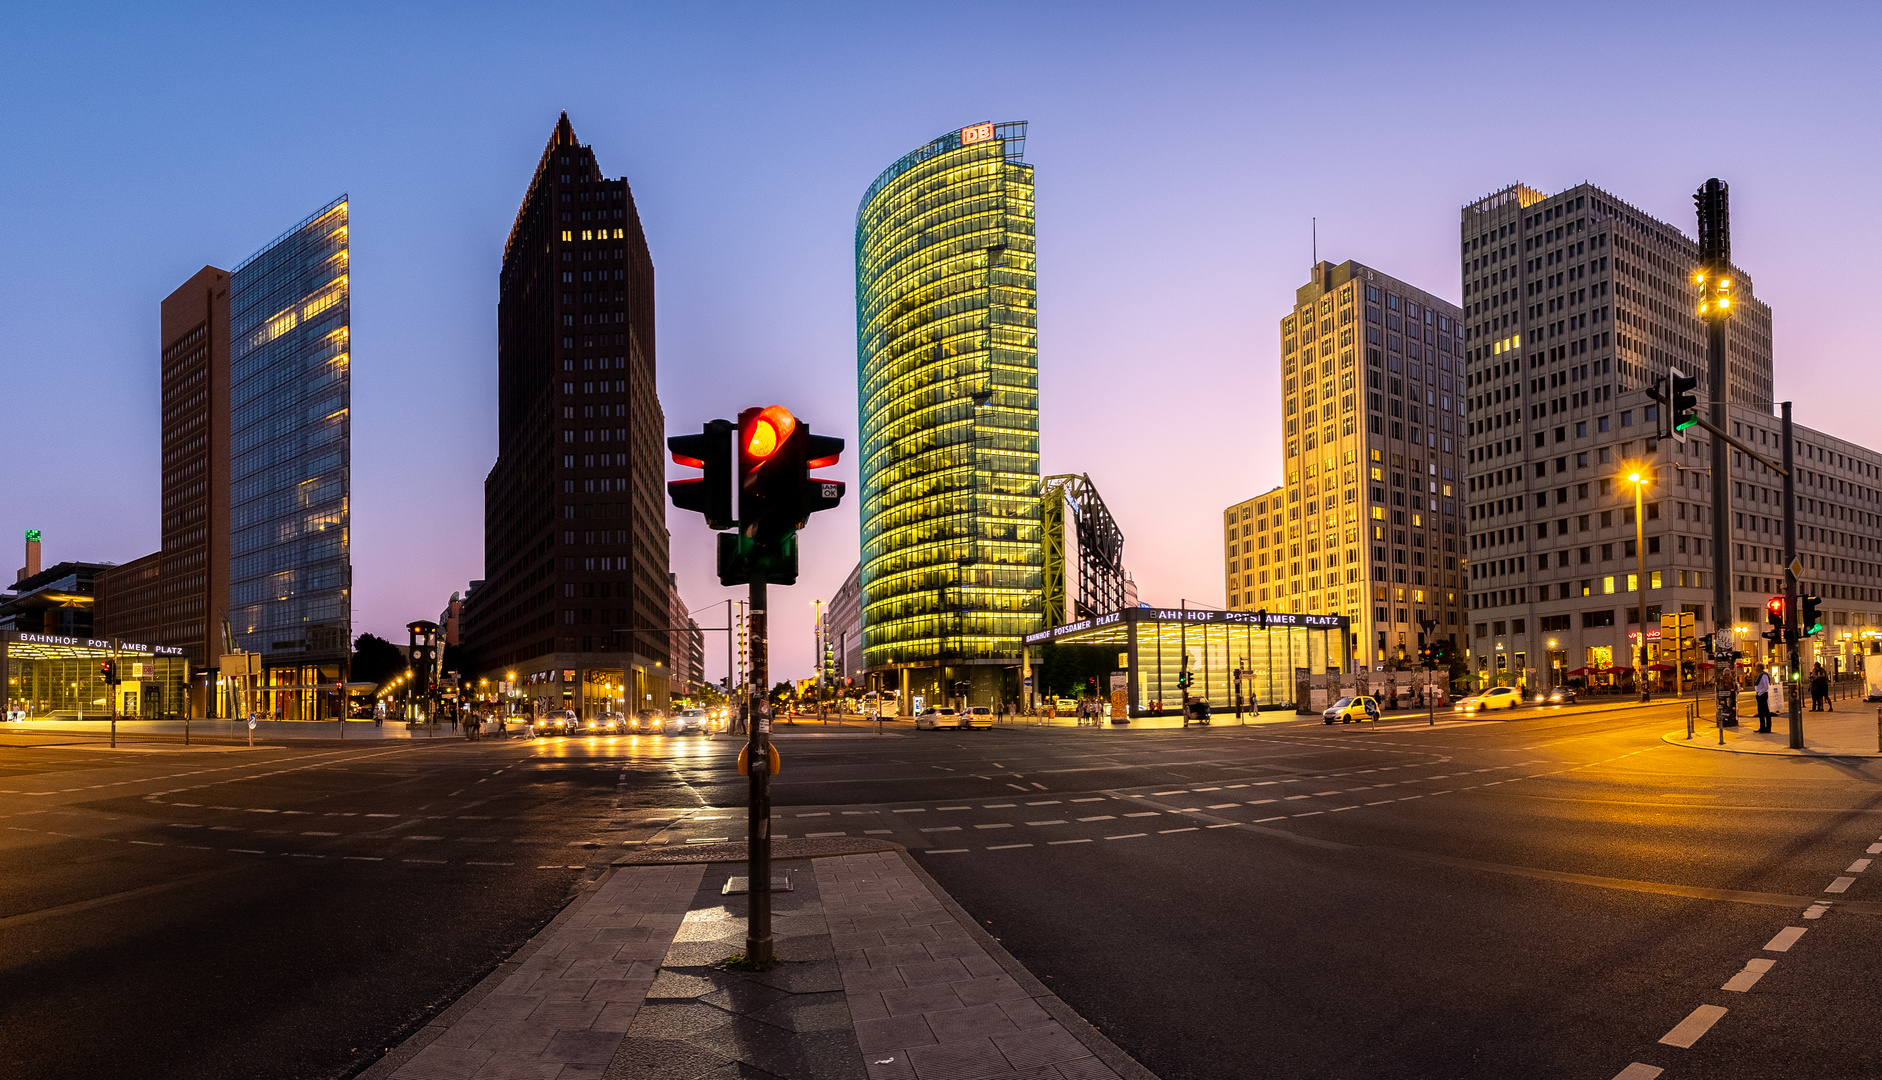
52	677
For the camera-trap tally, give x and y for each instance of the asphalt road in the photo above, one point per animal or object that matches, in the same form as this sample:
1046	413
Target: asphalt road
1544	896
1548	895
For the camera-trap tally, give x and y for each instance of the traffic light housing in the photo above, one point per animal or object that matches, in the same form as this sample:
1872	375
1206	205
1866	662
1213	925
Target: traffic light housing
1183	679
1810	620
108	671
711	493
1682	405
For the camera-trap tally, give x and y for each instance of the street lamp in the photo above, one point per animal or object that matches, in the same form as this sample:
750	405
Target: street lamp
1638	476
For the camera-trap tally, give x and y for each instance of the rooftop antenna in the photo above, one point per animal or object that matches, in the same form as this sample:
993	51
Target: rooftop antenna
1316	241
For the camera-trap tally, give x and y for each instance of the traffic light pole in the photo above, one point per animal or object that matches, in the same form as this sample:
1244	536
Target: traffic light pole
1716	255
758	944
1793	641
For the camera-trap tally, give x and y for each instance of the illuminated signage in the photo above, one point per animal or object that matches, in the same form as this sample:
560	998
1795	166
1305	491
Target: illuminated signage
1282	619
975	134
98	644
32	536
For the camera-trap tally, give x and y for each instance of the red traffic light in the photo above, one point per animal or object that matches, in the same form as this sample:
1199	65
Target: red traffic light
1774	611
767	431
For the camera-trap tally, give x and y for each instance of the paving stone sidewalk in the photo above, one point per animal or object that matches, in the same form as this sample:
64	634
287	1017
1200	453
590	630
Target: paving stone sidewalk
881	976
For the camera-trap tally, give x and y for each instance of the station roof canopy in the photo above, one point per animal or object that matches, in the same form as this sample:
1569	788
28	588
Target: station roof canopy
21	645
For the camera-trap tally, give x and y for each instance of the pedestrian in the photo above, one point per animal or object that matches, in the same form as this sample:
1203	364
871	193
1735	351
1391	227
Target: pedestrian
1764	701
1818	688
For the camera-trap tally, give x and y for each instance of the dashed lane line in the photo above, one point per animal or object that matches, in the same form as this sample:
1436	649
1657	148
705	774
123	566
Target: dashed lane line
1693	1028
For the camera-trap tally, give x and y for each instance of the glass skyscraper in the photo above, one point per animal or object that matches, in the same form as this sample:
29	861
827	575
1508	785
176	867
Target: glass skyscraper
948	405
289	460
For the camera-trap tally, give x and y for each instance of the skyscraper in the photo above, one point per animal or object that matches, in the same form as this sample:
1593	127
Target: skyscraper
1371	371
1575	303
194	572
947	364
575	543
290	406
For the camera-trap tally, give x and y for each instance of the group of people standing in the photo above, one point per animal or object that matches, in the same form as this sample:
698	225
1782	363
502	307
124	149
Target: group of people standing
1819	695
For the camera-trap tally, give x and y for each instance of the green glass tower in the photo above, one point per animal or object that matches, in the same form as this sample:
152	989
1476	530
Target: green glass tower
947	364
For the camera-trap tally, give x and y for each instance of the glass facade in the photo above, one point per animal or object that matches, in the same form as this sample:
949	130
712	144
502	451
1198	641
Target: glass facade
289	456
948	403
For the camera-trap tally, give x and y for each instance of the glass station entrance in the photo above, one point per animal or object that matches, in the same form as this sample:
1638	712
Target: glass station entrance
50	677
1272	651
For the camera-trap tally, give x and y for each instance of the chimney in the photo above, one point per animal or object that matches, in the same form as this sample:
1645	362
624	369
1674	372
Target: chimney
32	555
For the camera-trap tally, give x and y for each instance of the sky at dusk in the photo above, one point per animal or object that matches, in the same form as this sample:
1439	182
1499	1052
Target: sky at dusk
1180	153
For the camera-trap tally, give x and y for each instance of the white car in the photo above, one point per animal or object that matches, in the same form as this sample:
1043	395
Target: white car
1497	697
691	720
936	719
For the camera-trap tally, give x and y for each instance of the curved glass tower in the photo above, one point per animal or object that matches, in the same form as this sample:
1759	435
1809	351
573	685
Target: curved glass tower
947	365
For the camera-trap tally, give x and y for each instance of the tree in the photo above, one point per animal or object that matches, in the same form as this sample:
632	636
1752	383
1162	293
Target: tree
1063	669
375	659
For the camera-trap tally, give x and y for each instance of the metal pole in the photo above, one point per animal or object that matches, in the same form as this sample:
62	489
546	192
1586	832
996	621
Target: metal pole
758	943
1716	257
1640	594
1792	660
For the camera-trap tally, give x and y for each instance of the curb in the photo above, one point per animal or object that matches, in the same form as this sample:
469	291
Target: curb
1101	1047
739	850
1678	738
405	1047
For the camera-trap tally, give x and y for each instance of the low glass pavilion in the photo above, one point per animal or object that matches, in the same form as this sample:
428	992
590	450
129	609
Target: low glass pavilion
1274	651
50	676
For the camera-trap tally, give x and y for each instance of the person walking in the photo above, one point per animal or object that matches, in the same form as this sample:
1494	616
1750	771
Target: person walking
1764	701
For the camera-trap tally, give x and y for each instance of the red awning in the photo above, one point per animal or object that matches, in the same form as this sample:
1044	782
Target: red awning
1660	667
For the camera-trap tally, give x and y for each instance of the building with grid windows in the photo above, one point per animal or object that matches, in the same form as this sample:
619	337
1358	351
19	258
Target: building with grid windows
1372	448
576	601
1247	561
948	406
1574	304
290	396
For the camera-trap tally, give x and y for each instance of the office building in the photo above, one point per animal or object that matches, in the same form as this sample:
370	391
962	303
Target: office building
1575	304
948	407
575	594
843	627
1372	446
194	571
1249	556
290	400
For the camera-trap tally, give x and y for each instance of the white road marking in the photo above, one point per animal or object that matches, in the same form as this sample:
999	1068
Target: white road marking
1841	884
1007	847
1086	840
360	858
1143	813
1275	818
1785	939
944	828
1337	809
1381	802
1746	979
1100	798
1858	866
825	813
820	835
1815	911
946	851
998	806
1874	849
1224	806
1182	791
1127	836
1262	802
1224	825
996	825
1162	832
1691	1029
1059	822
915	810
953	808
1637	1071
1048	802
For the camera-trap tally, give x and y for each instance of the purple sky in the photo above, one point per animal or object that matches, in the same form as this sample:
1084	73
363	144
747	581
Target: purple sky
1180	150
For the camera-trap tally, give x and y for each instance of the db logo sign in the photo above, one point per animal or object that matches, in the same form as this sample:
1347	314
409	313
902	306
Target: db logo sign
977	133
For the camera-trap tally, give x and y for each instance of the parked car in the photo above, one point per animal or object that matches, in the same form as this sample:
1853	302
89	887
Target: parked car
559	722
691	722
1353	709
1497	697
936	719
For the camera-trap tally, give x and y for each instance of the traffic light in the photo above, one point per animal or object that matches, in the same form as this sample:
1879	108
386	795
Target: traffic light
1774	617
1682	405
108	672
1810	620
1183	679
710	494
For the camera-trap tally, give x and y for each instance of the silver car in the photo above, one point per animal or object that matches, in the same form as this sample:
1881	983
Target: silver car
691	721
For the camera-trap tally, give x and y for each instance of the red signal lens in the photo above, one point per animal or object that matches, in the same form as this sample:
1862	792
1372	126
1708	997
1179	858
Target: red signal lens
768	431
689	462
822	462
1775	605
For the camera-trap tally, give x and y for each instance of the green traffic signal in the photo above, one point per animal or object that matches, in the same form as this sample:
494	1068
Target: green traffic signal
1683	401
1810	620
